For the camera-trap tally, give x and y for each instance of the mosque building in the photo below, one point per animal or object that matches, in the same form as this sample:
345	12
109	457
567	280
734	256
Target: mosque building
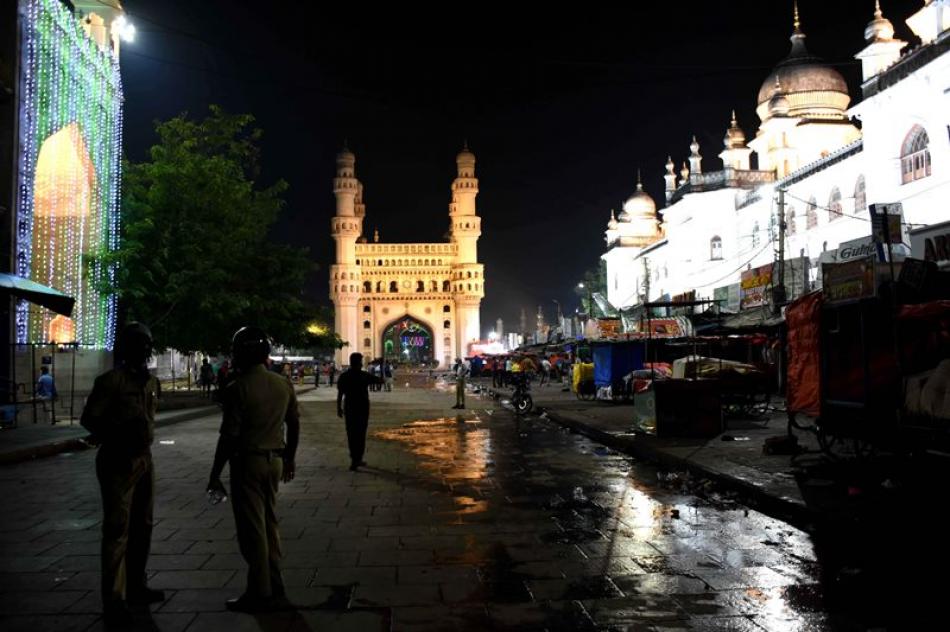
829	159
407	302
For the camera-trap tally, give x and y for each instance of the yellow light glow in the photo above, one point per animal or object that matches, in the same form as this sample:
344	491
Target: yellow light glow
316	329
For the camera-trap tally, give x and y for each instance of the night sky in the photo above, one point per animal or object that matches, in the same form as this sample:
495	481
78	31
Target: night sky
560	108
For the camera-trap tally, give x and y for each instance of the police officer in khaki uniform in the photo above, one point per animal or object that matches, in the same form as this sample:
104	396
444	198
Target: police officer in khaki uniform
120	414
257	404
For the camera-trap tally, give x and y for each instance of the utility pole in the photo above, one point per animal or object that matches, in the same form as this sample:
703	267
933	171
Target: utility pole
778	289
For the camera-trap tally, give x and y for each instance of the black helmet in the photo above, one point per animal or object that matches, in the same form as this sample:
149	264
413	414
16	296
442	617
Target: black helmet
134	345
250	345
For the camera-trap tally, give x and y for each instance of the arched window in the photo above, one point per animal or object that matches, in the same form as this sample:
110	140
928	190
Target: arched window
446	286
755	234
366	324
367	287
446	309
860	196
834	205
379	286
715	248
393	286
366	309
434	286
811	214
420	286
447	324
367	343
915	155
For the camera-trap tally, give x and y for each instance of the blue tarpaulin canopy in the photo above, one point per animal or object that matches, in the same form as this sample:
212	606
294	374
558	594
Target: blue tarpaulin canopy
33	292
613	360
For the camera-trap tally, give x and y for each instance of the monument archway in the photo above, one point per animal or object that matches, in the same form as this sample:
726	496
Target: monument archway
408	341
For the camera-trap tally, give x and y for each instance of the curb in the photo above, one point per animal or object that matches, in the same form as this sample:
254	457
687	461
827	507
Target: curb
795	514
77	444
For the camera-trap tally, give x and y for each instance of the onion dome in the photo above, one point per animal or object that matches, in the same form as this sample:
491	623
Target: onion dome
638	206
811	87
735	137
880	28
465	156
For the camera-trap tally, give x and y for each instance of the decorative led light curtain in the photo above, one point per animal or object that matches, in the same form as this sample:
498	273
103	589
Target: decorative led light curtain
68	183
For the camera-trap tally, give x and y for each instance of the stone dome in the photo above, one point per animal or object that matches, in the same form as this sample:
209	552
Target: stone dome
813	89
638	206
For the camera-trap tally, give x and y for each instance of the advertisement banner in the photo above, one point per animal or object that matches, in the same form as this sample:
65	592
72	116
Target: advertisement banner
848	281
728	297
754	286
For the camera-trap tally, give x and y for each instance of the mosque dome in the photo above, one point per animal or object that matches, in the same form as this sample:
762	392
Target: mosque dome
638	206
880	28
812	88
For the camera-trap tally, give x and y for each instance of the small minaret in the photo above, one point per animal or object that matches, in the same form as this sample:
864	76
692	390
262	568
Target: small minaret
500	328
684	174
540	320
670	178
346	227
735	154
882	49
695	160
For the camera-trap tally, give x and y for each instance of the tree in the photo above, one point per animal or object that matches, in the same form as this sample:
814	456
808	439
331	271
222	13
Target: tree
594	281
194	260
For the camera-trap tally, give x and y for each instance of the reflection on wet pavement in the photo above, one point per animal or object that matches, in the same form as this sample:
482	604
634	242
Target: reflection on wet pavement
578	537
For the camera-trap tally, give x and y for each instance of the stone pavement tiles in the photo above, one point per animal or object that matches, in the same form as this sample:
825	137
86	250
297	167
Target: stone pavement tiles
466	522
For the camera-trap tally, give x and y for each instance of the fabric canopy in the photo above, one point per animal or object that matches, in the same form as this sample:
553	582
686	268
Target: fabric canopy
33	292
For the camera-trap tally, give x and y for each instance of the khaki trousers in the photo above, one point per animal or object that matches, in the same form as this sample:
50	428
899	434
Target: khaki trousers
460	391
127	484
254	481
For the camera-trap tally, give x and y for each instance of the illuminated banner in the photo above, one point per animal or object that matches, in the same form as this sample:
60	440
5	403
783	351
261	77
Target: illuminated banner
67	208
753	287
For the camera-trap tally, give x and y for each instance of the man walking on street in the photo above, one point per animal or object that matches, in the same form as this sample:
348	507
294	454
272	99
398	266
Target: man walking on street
331	371
352	404
257	404
461	372
120	415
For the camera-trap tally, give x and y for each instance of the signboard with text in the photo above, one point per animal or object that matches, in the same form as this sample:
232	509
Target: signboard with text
848	281
932	244
753	287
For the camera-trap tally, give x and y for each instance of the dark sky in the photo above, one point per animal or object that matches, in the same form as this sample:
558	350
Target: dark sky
560	107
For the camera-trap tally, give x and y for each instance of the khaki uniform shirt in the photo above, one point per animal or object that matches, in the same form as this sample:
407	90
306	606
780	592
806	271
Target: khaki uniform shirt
256	405
120	411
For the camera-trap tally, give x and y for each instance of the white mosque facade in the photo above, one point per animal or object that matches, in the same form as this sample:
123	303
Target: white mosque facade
830	161
411	302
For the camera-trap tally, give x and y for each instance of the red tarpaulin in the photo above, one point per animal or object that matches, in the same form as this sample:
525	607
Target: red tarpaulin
803	319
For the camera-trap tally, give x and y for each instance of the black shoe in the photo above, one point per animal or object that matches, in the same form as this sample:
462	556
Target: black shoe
116	615
144	596
249	605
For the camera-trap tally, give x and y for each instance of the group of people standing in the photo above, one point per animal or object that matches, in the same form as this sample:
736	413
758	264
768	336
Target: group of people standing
382	370
506	370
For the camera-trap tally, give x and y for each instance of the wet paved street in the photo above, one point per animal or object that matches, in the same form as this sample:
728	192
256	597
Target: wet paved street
470	522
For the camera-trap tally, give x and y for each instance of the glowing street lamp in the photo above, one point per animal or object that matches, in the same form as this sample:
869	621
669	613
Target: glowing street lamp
124	29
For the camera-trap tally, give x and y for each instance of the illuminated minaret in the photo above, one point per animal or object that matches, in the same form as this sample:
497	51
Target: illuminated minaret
467	275
346	227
